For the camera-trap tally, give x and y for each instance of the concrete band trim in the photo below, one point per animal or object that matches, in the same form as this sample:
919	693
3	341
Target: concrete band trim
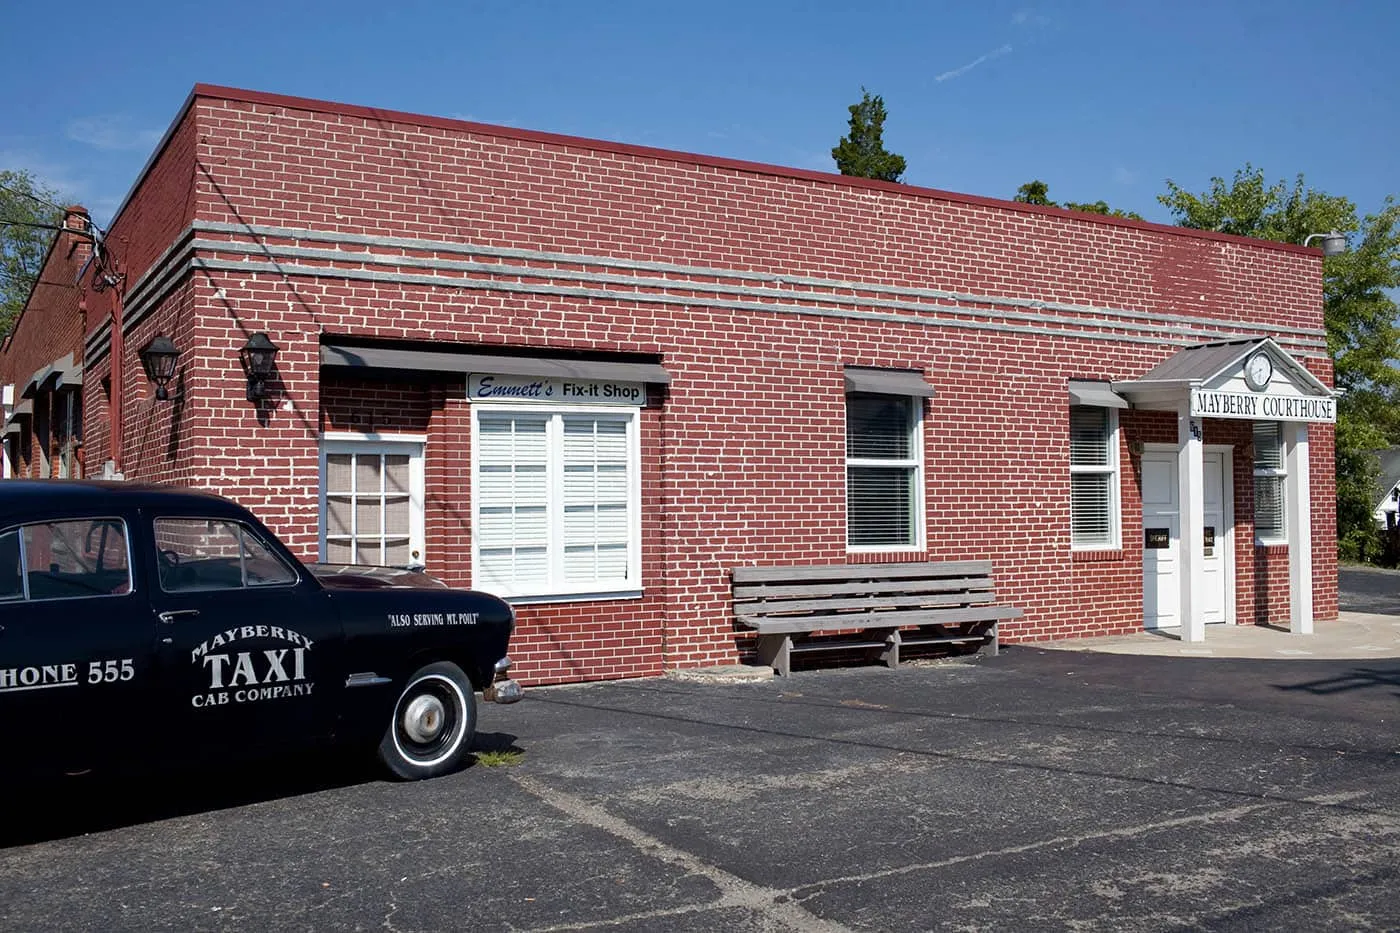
97	342
707	272
181	259
534	272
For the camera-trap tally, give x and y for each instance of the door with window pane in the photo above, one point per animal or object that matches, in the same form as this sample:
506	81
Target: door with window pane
373	510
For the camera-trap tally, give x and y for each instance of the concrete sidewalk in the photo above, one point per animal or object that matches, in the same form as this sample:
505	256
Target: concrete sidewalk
1352	635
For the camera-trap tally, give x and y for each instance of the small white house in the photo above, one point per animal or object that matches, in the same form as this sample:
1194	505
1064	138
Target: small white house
1388	480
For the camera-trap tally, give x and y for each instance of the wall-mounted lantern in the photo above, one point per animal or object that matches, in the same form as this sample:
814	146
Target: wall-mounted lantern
258	356
158	359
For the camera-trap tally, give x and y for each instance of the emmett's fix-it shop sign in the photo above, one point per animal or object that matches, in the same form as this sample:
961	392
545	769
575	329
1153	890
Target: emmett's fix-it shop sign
493	387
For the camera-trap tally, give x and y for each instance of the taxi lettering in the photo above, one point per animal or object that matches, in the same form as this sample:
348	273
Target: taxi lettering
254	675
38	677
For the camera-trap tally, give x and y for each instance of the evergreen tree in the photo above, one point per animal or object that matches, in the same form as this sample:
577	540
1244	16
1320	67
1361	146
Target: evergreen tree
861	152
1038	192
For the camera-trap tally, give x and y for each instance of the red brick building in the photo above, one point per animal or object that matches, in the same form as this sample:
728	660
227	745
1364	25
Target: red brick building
596	377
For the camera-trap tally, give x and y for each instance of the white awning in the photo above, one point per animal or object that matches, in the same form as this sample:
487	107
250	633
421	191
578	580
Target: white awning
887	382
1097	394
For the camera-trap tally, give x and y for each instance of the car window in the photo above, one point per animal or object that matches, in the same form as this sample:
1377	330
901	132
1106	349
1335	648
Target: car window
65	560
11	584
215	554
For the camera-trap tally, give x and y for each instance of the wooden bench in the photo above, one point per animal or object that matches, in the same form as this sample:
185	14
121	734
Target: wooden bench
877	607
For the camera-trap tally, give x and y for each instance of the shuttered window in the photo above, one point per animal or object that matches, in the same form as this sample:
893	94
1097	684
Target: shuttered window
556	500
884	486
1093	477
1270	475
372	503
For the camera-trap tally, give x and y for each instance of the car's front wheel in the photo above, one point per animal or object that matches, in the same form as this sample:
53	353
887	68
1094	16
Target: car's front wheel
433	724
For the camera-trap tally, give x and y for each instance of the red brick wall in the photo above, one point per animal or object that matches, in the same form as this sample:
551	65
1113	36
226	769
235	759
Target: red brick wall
50	327
157	210
744	453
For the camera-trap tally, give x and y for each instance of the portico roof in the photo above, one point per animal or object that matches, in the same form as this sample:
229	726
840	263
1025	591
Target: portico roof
1218	367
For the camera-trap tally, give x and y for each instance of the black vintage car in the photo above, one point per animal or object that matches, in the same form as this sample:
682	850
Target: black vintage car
146	622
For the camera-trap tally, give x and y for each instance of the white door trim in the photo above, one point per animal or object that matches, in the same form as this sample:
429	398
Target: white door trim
1226	535
1227	540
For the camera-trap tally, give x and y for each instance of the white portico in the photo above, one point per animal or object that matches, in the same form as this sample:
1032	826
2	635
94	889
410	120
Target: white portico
1248	379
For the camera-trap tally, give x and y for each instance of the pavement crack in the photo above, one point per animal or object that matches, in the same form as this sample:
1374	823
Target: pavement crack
775	905
1120	832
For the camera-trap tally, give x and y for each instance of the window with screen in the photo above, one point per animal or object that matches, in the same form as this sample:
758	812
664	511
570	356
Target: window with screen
556	499
1093	477
1270	475
884	485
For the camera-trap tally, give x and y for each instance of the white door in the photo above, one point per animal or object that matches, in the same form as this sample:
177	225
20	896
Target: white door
1161	523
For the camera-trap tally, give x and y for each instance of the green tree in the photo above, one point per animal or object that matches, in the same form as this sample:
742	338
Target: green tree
1359	315
27	216
861	152
1038	192
1035	192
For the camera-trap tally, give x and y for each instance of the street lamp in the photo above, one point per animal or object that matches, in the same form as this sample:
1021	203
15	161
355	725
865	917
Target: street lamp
1333	242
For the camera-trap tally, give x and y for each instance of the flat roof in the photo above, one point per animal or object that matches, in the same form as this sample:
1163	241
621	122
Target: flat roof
240	95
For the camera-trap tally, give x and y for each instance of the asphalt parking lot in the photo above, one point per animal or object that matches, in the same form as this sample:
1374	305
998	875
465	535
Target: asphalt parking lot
1036	790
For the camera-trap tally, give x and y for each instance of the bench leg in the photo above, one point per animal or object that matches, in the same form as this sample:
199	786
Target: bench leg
995	641
776	652
890	653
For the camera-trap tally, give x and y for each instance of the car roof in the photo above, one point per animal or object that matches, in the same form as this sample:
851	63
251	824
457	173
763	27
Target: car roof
39	495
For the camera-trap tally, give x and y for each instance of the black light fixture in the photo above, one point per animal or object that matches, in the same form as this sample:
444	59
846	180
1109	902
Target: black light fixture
258	355
158	360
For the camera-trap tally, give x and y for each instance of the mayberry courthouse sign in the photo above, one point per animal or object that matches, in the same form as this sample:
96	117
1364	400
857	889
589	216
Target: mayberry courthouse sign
1207	403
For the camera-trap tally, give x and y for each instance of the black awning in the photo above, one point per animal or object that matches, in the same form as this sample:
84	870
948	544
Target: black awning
447	362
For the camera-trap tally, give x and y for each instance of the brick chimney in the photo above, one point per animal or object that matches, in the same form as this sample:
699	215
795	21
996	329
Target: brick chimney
75	217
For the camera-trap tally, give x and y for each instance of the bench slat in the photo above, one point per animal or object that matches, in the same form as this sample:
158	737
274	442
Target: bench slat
892	619
861	571
843	645
775	590
778	607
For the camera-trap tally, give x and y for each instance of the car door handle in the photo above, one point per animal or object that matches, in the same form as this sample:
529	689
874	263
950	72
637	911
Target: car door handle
170	615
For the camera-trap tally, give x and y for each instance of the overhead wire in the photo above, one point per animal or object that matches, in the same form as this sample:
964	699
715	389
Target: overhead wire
33	197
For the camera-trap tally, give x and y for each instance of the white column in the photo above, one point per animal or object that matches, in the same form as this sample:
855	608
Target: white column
1299	512
7	401
1191	500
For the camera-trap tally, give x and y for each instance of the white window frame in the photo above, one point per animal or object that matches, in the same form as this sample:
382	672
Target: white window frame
351	442
1280	473
555	590
1111	469
916	463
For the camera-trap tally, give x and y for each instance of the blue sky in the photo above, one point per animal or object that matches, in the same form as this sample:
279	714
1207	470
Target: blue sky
1100	99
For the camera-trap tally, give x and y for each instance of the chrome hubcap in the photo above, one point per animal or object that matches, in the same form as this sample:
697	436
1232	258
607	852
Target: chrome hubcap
423	719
